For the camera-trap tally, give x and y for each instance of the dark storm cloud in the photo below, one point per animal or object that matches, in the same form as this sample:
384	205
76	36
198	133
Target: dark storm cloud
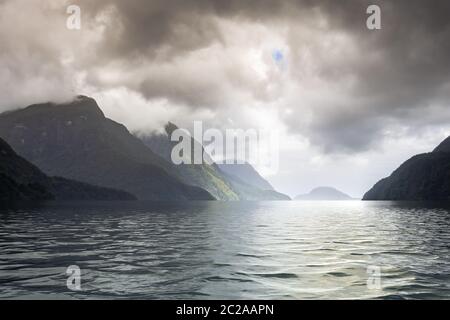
396	74
378	78
179	26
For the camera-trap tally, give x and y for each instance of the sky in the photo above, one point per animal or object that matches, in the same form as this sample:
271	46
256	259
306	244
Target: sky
350	104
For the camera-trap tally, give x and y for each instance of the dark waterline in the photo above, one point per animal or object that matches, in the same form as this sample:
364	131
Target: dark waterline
226	250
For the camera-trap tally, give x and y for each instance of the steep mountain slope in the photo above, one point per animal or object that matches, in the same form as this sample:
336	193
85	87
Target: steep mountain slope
247	173
246	191
423	177
22	181
223	185
444	146
324	194
205	176
76	141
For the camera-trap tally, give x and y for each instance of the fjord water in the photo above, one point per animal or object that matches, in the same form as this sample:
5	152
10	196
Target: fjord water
227	250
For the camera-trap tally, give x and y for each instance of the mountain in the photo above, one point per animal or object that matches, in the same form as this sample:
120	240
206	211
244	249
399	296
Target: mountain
423	177
76	141
249	192
204	175
247	173
444	146
323	194
22	181
221	184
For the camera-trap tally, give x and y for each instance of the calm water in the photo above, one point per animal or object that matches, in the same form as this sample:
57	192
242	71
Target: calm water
214	250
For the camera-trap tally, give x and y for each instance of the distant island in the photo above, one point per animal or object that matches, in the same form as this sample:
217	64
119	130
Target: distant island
424	177
324	194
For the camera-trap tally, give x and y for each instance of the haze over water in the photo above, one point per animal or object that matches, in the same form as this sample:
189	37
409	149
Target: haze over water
226	250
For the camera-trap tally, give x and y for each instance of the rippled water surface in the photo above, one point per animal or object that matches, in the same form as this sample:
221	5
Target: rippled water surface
217	250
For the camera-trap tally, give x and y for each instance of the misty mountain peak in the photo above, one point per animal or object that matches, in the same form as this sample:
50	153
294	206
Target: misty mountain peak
81	107
170	127
86	105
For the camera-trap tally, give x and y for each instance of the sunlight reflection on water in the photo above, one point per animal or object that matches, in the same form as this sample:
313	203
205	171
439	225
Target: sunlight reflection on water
226	250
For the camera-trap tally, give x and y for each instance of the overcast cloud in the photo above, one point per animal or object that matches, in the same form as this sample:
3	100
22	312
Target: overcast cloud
349	101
